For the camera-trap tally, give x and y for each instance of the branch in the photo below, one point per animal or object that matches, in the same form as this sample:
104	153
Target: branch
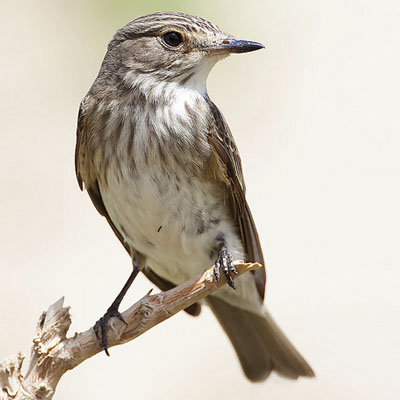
53	353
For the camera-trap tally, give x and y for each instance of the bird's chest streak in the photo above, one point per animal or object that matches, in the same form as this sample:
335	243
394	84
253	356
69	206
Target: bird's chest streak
168	210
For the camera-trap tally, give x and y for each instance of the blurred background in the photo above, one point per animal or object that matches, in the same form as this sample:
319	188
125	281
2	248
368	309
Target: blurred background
316	118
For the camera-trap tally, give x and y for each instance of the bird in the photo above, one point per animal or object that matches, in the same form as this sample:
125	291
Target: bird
159	162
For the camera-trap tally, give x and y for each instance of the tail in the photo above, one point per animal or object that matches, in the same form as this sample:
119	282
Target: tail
259	343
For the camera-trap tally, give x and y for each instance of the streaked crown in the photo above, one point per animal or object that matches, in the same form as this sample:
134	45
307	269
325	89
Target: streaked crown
168	47
154	24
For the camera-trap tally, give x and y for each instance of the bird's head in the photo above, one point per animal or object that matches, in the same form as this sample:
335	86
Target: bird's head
169	47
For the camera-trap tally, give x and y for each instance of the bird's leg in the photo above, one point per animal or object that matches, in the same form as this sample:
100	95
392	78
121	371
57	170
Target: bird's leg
225	264
101	324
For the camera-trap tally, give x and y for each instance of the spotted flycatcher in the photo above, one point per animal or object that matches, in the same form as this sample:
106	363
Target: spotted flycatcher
160	164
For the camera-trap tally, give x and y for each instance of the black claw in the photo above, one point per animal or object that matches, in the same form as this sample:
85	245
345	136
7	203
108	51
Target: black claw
231	283
101	326
225	264
233	269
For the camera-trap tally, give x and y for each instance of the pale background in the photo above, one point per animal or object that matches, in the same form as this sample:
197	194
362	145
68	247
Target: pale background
316	117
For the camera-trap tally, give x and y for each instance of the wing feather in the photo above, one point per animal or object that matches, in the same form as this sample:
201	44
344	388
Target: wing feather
224	146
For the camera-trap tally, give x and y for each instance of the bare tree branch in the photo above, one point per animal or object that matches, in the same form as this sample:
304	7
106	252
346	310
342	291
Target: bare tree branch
53	353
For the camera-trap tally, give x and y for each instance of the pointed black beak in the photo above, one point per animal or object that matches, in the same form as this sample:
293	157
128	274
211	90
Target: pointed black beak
235	46
241	46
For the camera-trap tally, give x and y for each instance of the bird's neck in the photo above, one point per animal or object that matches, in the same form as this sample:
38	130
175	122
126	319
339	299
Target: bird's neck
192	81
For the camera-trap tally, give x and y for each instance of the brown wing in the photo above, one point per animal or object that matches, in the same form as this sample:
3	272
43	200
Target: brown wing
85	175
225	148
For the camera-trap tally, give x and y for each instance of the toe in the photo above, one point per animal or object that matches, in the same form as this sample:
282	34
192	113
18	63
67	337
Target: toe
217	267
224	264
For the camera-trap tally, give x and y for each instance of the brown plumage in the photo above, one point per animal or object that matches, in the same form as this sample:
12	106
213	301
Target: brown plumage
160	164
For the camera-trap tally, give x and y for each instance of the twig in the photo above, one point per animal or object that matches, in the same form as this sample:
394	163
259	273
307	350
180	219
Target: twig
53	353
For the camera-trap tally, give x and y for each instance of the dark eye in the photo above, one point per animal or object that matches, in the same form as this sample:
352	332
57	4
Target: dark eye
172	39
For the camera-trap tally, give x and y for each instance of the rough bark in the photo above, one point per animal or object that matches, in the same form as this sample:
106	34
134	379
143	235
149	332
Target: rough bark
53	353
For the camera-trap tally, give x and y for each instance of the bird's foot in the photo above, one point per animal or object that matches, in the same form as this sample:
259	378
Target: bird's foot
100	327
224	264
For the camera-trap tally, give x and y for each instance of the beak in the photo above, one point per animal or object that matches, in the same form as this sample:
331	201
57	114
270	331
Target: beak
234	46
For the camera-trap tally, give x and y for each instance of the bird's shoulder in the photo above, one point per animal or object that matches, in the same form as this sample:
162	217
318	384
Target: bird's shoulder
225	161
82	157
226	165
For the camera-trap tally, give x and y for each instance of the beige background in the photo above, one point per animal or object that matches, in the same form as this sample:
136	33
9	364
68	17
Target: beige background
316	117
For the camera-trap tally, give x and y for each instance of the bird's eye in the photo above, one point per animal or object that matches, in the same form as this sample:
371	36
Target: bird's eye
172	39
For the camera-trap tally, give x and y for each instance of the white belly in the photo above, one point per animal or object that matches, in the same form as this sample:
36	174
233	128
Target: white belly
176	228
172	220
